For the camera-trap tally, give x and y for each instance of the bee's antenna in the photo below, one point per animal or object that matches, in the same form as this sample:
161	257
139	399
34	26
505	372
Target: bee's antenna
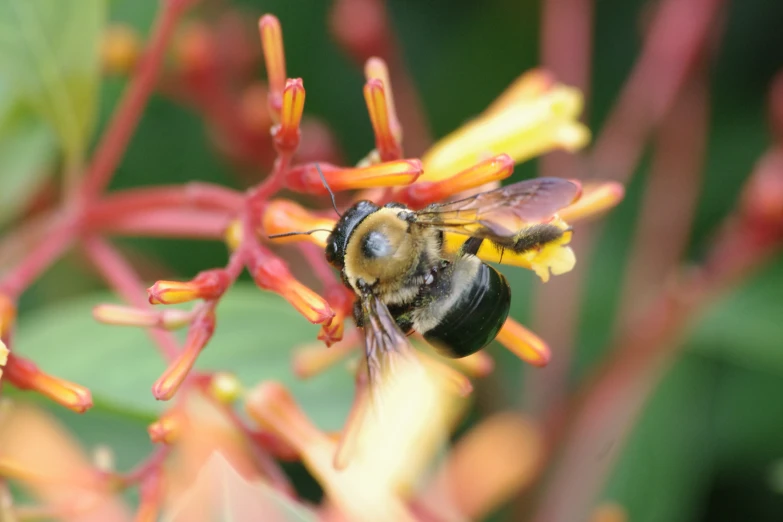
286	234
326	186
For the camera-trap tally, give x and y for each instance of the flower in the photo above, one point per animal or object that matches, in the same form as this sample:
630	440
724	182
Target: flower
389	475
524	123
209	284
272	274
25	375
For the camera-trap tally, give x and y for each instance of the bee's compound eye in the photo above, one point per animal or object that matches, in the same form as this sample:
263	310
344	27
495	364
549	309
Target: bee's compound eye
376	244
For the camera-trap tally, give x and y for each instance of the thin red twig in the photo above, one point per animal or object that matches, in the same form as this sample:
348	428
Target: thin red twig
126	117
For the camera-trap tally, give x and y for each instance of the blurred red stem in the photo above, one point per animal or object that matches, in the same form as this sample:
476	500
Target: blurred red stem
127	115
566	51
167	223
679	32
191	195
123	279
670	197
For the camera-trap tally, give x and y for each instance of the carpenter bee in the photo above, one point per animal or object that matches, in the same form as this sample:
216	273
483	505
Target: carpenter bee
393	258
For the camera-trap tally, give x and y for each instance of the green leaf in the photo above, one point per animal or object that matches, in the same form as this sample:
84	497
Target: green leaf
26	147
49	58
664	468
744	328
255	334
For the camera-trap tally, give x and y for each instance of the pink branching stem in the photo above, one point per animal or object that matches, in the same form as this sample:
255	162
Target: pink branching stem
125	119
168	223
123	279
670	196
46	252
679	32
191	195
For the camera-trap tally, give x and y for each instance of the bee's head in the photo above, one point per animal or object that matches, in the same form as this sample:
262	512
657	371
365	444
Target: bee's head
337	241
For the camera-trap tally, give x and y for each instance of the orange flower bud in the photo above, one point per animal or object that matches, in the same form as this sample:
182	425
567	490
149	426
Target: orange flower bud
209	284
286	133
120	49
170	319
595	199
378	107
25	375
270	273
199	334
274	58
523	343
341	301
479	364
168	428
376	68
282	216
493	169
305	178
7	315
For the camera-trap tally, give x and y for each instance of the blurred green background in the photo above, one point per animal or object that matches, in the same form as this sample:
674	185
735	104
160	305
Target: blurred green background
709	445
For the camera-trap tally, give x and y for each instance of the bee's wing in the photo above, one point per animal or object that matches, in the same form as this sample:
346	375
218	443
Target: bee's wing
383	339
503	212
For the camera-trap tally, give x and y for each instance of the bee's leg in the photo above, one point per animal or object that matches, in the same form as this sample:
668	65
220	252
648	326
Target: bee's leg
536	236
358	315
471	246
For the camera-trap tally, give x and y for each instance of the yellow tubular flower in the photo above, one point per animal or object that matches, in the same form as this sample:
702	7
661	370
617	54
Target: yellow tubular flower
527	126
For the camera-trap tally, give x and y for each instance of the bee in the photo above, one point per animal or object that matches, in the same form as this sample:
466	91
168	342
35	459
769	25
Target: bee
393	259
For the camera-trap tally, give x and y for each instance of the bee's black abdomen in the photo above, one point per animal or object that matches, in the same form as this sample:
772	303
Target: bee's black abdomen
475	318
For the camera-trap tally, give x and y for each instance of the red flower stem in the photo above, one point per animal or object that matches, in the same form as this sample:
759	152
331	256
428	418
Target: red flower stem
123	279
191	195
670	197
47	251
167	223
126	117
